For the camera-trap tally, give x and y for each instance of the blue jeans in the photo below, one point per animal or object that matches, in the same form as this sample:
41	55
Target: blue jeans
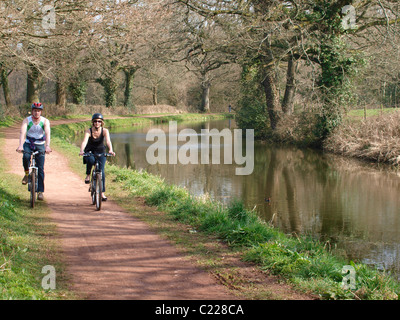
26	162
90	161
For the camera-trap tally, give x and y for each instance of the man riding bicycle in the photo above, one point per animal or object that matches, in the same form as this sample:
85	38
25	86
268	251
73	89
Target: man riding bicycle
35	136
94	141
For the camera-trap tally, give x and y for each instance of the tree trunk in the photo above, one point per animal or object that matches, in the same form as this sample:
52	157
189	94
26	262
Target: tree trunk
155	99
205	97
110	91
129	77
288	100
61	94
4	83
77	88
33	84
272	97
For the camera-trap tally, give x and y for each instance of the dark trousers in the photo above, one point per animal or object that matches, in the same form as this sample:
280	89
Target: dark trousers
26	162
90	161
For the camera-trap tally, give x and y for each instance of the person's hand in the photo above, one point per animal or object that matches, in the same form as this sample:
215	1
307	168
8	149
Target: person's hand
48	149
20	149
113	153
81	153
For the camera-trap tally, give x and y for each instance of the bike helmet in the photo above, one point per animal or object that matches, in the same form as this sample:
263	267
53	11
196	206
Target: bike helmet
98	116
37	105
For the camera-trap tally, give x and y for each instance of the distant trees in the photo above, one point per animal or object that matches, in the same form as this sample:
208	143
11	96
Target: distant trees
61	40
204	49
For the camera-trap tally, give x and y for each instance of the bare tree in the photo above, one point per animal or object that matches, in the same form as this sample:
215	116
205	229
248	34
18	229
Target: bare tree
204	48
271	32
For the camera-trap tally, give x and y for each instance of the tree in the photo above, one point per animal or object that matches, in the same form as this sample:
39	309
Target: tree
271	32
119	42
202	46
44	36
4	73
255	30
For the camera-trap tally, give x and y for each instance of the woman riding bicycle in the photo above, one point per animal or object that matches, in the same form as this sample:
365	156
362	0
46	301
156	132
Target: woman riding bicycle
94	141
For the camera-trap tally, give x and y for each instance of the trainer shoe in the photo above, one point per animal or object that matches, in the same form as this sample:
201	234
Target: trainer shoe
40	196
25	179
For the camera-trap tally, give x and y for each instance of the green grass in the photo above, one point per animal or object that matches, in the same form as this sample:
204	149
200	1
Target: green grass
27	244
360	113
7	121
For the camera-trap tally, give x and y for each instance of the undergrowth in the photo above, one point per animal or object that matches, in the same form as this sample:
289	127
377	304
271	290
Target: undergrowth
375	138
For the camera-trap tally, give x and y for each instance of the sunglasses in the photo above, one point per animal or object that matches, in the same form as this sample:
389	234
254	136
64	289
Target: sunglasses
97	121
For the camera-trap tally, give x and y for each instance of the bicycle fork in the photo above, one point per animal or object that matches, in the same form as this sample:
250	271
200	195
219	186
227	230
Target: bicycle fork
31	169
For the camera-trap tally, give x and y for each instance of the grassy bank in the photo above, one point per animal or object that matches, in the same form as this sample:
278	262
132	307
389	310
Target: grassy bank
302	261
27	243
371	135
375	138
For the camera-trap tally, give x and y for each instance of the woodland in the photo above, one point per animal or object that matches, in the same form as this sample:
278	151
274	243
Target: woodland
291	64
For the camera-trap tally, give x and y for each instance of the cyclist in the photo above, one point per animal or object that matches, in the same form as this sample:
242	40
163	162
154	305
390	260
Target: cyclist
94	141
35	136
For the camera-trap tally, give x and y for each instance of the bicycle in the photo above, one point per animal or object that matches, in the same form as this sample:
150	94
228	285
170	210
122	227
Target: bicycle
96	176
33	177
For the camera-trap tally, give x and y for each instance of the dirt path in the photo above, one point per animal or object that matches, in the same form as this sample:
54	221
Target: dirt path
110	254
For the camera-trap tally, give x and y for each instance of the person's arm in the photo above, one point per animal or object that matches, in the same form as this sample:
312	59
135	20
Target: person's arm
47	132
22	135
84	142
108	142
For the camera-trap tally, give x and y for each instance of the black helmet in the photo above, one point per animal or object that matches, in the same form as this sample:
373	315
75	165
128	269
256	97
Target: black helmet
98	116
37	105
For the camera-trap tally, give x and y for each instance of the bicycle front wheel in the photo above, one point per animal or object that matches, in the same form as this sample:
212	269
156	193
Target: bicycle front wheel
33	188
93	188
99	187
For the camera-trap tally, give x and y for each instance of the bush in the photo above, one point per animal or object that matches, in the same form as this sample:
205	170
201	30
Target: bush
252	115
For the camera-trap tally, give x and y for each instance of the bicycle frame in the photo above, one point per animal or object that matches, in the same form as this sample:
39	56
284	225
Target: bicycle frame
96	181
33	172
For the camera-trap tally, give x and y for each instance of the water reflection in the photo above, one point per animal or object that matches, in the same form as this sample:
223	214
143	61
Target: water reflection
348	203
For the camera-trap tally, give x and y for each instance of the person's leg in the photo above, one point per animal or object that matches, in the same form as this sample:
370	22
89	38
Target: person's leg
40	158
26	161
89	164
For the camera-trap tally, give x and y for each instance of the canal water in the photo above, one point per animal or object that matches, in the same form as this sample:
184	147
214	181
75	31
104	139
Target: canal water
350	205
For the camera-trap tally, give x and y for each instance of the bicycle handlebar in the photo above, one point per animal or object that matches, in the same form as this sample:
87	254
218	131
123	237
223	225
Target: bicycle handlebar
97	155
33	152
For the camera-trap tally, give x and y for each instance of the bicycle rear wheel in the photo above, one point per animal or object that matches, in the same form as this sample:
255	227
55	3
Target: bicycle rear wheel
33	188
99	187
